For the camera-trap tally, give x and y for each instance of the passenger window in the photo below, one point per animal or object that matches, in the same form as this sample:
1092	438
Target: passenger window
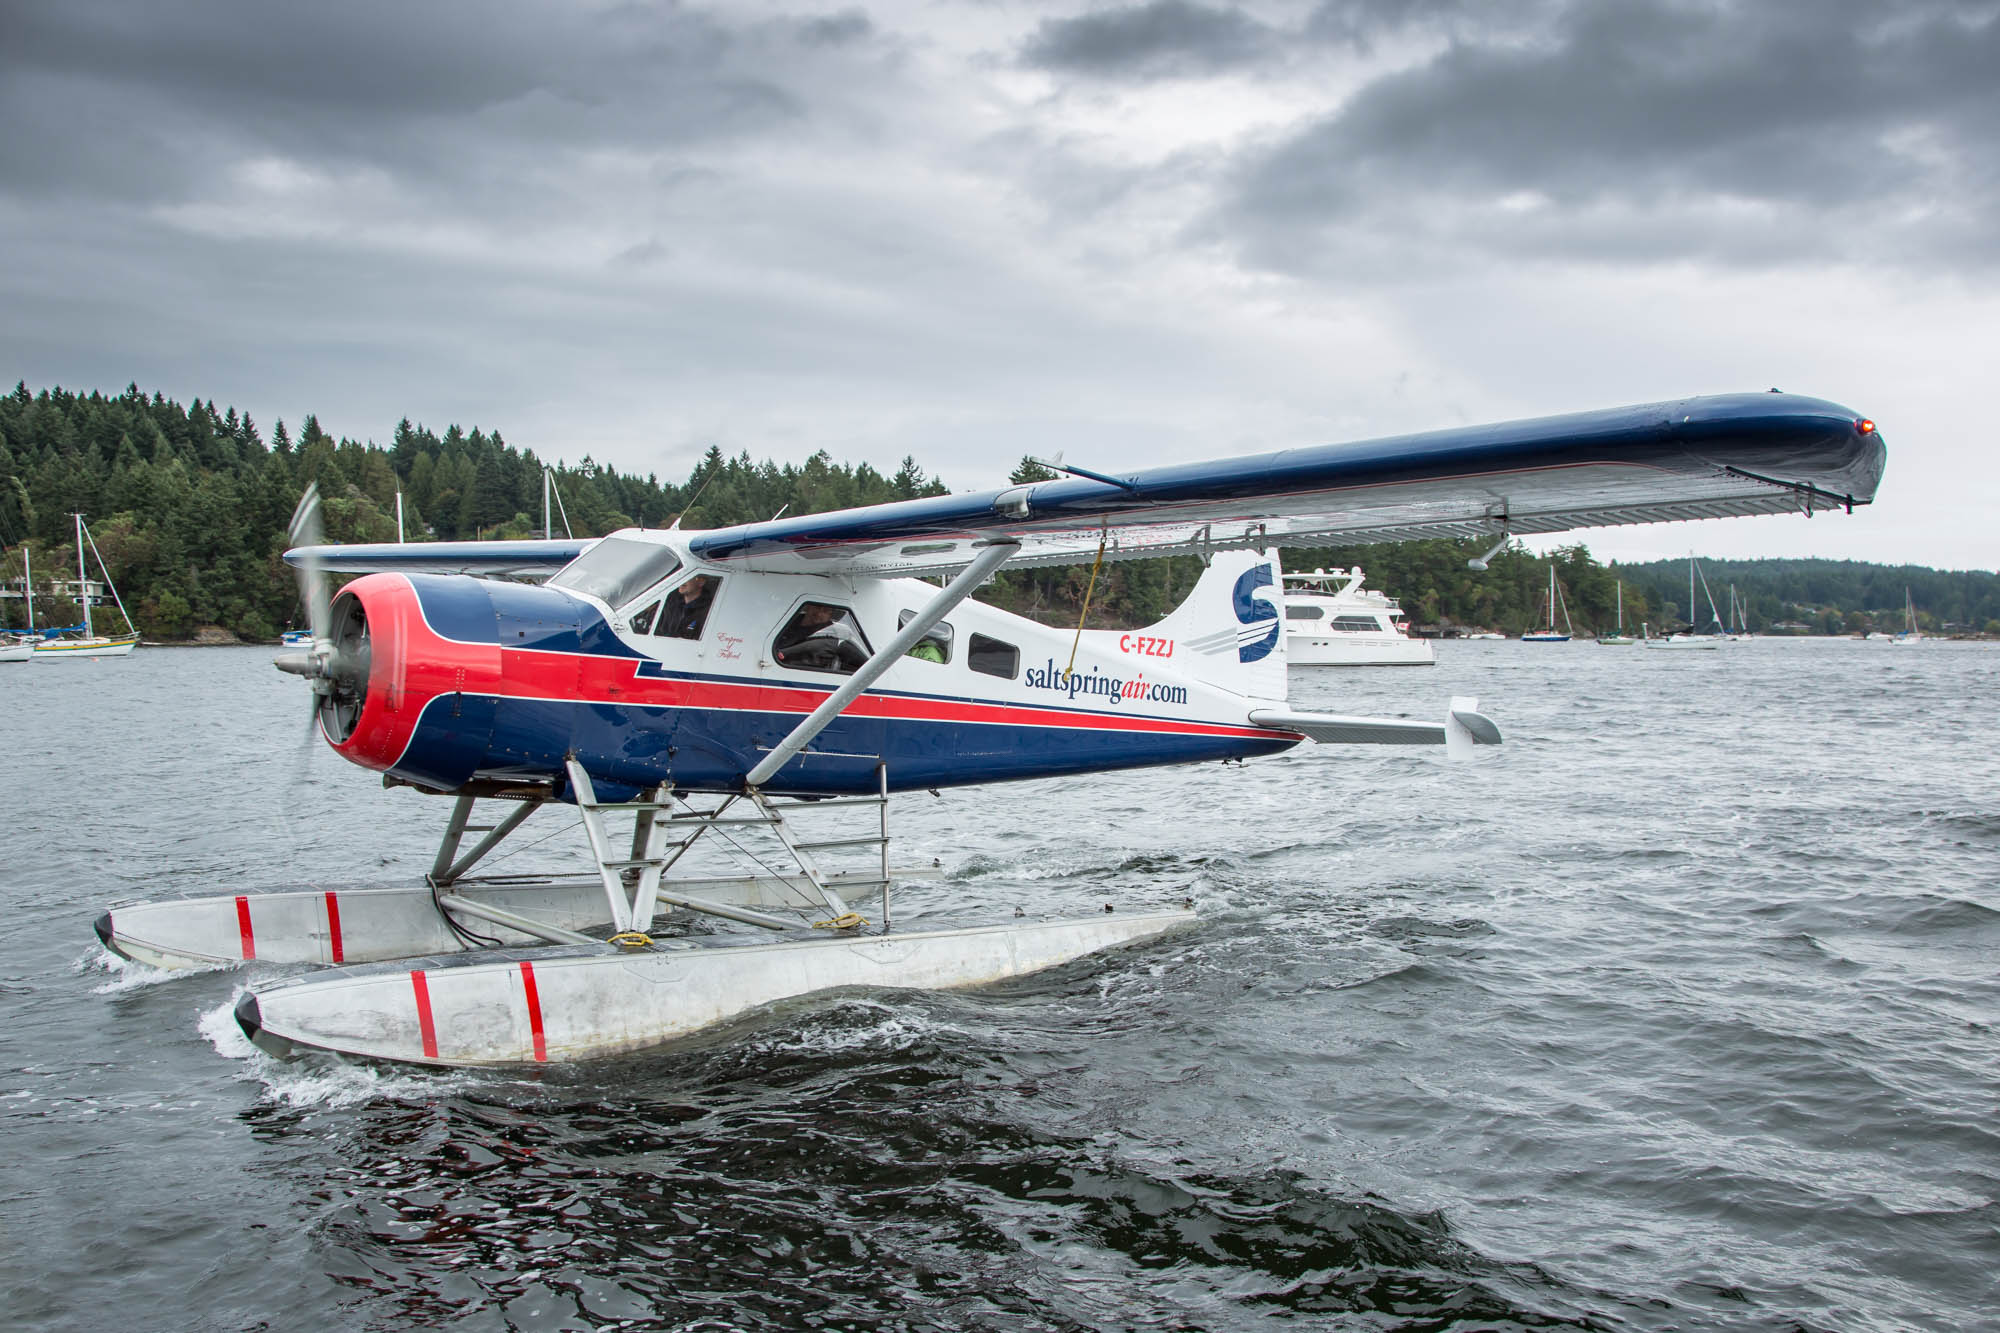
1303	613
686	609
935	646
643	622
993	658
822	637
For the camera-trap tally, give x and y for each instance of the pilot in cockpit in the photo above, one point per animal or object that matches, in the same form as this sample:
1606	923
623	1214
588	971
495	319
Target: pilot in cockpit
820	637
687	609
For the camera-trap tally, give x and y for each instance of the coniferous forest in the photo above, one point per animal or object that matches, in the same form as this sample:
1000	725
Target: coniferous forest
188	507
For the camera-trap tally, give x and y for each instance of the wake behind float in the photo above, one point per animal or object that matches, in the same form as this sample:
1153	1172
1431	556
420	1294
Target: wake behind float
711	684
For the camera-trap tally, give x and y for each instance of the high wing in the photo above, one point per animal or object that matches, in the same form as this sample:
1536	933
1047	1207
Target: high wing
501	558
1715	457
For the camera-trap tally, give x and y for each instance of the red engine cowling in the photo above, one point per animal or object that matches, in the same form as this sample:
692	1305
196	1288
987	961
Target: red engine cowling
405	672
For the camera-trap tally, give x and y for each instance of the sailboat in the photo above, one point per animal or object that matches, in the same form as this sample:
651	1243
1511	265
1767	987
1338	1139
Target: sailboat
90	643
15	646
1621	638
1550	635
1911	633
1691	639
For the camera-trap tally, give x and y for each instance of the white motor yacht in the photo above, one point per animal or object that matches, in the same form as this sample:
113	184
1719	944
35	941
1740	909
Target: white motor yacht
1330	620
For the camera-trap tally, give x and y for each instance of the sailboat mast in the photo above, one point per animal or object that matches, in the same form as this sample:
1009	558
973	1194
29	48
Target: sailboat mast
399	518
28	583
547	530
1690	592
82	587
1621	606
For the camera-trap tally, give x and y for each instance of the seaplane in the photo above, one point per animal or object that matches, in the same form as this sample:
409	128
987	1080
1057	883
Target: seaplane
671	687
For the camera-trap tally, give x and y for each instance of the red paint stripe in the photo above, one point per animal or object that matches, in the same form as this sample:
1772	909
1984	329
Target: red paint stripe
534	1008
424	1024
333	925
243	931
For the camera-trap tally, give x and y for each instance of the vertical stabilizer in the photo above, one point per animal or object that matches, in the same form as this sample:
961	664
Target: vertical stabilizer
1232	626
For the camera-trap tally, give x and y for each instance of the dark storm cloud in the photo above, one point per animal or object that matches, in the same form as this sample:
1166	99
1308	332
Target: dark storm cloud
1833	123
1165	38
134	100
1361	23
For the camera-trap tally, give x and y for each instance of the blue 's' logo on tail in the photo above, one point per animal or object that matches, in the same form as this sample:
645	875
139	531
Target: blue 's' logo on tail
1252	611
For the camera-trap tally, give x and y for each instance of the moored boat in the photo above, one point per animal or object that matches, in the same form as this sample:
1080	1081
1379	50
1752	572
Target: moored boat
1330	620
1691	640
1549	633
1911	632
89	643
1620	639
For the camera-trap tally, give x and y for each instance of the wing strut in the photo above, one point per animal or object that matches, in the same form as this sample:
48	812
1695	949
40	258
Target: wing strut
995	554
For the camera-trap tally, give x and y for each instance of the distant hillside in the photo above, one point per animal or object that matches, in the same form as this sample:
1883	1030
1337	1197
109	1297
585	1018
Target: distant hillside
1828	596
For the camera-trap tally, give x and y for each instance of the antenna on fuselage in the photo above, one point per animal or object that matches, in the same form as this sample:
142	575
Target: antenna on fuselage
697	495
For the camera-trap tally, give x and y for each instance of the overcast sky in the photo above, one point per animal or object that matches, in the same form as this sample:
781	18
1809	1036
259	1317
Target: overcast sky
970	230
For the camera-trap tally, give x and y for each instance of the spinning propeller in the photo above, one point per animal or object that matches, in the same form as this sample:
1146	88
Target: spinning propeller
337	663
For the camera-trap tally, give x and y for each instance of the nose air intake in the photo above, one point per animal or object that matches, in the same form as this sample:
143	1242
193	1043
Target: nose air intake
346	670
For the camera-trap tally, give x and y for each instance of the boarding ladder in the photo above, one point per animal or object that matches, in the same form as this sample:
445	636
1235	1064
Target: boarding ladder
665	827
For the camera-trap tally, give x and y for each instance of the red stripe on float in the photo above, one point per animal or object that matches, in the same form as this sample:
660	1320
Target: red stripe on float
534	1009
243	931
424	1024
333	925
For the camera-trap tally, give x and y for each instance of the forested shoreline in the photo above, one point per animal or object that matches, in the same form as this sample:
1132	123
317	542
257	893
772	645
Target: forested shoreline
188	506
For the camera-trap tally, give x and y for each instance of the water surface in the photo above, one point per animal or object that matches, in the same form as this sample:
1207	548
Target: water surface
1675	1012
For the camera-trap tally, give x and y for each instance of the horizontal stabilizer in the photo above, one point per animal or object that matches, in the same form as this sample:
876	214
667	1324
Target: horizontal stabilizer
501	557
1334	729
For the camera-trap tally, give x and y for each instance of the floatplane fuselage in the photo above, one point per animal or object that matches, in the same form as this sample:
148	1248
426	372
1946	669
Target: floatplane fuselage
479	680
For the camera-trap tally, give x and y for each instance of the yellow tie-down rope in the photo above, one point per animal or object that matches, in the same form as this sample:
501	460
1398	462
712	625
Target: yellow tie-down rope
845	921
632	939
1103	535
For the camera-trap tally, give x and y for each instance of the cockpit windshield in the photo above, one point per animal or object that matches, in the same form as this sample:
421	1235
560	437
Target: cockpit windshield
617	569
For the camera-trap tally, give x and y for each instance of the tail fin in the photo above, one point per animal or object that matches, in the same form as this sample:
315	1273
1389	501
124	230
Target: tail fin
1232	626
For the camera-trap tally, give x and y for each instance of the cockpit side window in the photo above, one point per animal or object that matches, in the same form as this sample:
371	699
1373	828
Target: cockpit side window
935	646
617	569
686	608
643	622
821	636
